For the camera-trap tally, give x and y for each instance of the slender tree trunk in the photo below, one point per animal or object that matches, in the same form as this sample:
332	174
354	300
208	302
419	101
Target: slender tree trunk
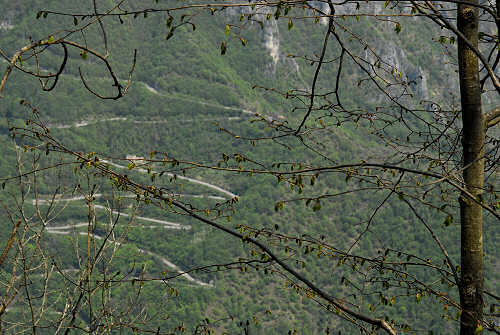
471	216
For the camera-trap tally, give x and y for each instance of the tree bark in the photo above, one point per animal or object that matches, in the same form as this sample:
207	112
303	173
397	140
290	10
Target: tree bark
471	216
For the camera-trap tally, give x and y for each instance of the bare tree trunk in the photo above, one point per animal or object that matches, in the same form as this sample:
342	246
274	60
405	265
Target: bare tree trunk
471	216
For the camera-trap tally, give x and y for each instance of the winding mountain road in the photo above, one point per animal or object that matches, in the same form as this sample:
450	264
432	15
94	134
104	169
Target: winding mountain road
166	224
162	259
191	180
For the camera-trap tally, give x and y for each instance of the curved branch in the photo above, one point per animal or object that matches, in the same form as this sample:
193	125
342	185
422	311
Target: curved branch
121	90
376	322
61	69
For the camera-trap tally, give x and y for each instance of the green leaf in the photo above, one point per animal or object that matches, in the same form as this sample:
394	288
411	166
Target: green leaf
84	55
243	41
223	48
75	20
278	206
51	39
448	221
131	165
317	206
277	13
227	30
290	24
397	28
169	21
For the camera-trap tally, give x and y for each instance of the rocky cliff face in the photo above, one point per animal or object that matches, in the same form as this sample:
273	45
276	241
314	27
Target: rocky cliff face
390	52
391	48
271	39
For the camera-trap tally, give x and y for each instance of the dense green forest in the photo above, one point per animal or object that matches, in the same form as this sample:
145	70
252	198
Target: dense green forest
194	108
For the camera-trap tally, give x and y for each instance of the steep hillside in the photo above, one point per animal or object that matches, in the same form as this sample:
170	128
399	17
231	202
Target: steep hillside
196	105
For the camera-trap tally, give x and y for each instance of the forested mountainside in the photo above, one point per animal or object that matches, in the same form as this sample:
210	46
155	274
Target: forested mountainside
188	102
